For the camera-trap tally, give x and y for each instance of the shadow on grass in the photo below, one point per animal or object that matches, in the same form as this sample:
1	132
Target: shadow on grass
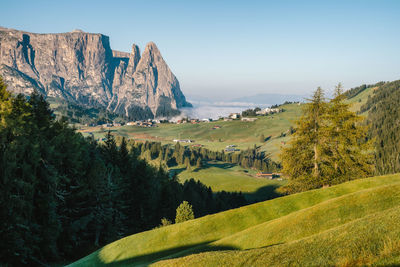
263	193
146	259
214	164
173	172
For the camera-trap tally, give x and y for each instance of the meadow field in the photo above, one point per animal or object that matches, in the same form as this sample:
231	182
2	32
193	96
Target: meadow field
243	134
228	177
354	223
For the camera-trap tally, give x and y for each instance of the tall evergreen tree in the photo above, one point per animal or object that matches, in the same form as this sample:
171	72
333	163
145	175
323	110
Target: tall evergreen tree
348	150
303	158
328	146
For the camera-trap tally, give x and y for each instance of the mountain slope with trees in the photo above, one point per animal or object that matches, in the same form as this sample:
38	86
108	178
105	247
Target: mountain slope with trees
384	114
62	195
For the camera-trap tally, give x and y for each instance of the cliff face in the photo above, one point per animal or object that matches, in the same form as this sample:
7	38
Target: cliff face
81	67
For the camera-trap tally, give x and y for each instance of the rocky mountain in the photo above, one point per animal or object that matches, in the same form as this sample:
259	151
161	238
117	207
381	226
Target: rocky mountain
82	68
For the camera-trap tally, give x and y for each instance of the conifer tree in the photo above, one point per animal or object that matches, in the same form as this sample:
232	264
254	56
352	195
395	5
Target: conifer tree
348	149
328	145
198	163
187	163
184	212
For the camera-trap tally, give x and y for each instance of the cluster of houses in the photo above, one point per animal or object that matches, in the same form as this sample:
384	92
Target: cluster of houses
183	141
192	121
268	111
148	123
231	148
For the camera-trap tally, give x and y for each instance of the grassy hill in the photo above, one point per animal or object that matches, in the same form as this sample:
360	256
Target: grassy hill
360	99
337	225
232	178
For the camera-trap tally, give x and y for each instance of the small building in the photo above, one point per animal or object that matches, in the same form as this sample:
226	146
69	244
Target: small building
268	175
267	111
197	145
183	141
234	116
131	123
216	127
249	119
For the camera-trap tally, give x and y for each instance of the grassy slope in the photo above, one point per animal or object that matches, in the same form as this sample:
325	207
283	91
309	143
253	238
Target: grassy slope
243	134
224	176
370	240
229	229
360	99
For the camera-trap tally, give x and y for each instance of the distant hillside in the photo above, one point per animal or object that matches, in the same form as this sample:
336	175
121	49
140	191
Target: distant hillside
355	218
383	114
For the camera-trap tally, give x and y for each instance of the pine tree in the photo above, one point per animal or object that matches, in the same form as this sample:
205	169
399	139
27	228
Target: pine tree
262	138
184	212
328	145
198	163
303	158
349	151
187	163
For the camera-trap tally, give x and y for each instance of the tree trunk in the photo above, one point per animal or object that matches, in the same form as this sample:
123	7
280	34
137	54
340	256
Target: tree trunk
316	169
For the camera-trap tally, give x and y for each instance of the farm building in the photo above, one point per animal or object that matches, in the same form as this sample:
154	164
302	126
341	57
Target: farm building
234	115
249	119
268	175
268	111
183	141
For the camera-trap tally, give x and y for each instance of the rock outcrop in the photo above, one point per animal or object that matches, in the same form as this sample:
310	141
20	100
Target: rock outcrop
81	67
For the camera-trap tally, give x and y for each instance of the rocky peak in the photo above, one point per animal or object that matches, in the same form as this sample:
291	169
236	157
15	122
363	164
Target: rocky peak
81	67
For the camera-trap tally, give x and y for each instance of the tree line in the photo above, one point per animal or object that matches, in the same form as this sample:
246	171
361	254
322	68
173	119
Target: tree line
62	195
189	156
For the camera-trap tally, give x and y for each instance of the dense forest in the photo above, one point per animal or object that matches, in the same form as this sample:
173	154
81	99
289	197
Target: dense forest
191	156
76	113
384	114
62	195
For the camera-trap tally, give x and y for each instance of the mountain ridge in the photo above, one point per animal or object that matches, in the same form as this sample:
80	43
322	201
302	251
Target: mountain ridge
82	68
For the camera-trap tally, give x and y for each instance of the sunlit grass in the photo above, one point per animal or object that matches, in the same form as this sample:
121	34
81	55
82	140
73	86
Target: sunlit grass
283	220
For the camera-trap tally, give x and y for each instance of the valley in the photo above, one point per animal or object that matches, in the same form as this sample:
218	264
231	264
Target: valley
199	133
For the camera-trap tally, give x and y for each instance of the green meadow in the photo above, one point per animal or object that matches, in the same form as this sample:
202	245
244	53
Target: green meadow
228	177
243	134
351	223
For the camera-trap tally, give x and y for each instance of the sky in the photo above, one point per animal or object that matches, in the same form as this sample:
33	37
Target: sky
229	49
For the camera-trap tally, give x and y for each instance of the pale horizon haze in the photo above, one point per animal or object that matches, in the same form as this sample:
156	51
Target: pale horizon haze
230	49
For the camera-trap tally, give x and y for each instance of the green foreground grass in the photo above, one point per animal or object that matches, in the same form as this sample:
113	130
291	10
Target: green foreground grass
301	229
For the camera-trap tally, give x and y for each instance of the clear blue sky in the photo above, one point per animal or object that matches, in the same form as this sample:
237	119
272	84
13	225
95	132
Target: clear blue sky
239	48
